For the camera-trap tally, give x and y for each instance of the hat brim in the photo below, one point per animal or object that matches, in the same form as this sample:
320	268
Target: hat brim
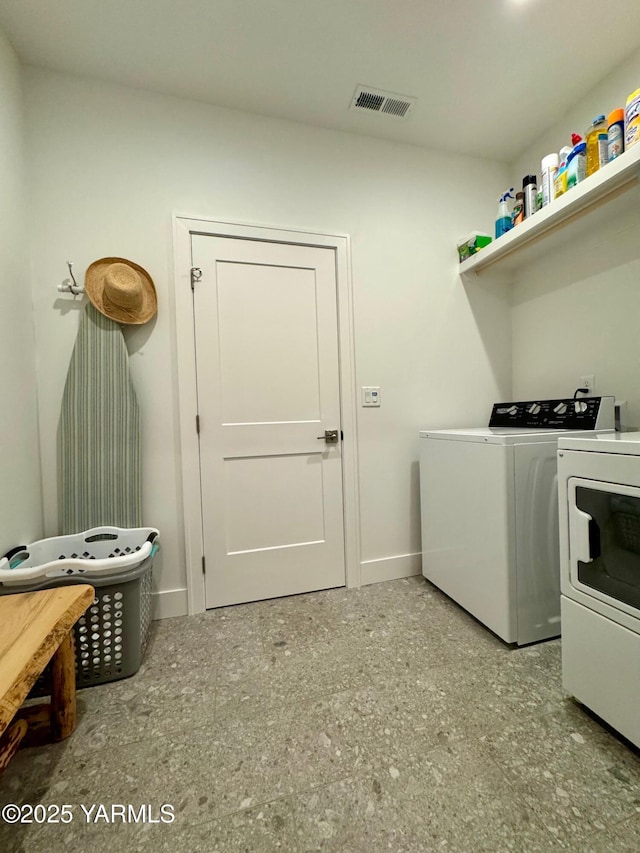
94	288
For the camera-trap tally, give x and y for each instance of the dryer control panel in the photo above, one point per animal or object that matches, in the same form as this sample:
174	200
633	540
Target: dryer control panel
583	413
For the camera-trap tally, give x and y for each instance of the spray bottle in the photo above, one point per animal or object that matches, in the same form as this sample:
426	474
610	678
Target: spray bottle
503	220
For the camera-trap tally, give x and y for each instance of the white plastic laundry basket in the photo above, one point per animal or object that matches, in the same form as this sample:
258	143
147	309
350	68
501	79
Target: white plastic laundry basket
111	637
93	552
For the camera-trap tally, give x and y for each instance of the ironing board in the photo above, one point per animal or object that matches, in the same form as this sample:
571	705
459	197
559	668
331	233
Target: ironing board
99	481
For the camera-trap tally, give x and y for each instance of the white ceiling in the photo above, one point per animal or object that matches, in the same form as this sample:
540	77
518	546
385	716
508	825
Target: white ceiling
489	75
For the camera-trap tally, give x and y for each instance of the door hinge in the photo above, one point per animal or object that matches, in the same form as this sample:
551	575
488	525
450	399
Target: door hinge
341	435
204	566
196	275
198	424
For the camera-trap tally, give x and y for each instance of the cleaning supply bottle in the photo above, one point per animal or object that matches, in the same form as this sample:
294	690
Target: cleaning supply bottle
632	120
560	180
616	134
548	169
597	145
503	219
577	164
530	191
517	214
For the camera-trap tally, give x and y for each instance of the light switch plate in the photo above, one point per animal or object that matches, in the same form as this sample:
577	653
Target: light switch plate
370	395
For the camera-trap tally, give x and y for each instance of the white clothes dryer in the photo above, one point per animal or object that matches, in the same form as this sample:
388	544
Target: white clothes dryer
489	512
599	499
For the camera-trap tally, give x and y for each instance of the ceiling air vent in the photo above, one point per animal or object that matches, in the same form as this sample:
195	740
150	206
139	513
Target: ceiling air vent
378	101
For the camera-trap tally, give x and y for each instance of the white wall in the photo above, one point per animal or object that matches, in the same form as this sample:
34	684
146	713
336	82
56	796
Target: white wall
107	168
577	312
20	490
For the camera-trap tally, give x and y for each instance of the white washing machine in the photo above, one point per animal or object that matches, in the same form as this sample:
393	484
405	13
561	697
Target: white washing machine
599	498
490	515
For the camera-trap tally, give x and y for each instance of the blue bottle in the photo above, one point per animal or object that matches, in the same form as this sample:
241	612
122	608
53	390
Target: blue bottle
503	220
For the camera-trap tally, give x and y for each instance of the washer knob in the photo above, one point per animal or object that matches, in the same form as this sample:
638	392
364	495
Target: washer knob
560	408
534	408
580	406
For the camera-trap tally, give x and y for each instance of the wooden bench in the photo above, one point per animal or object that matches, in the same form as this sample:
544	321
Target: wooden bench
36	628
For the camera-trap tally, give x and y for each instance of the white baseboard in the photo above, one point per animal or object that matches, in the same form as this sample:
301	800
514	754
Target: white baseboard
390	568
174	602
171	602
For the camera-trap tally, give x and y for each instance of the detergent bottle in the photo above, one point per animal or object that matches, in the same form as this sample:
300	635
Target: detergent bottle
597	138
576	161
503	219
560	179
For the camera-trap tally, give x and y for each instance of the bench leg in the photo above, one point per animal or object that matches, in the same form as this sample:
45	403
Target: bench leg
53	721
63	690
10	742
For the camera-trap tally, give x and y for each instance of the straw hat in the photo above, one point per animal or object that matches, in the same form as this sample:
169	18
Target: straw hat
121	290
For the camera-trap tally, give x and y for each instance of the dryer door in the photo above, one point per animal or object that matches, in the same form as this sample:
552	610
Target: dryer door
604	542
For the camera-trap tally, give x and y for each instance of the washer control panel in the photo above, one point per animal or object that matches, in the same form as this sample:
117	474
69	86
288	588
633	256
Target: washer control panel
585	413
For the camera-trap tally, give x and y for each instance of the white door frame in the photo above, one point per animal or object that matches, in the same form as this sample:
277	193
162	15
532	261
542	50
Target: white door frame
183	228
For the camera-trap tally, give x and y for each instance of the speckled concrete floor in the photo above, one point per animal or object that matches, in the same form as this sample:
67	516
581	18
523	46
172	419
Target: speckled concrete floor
354	721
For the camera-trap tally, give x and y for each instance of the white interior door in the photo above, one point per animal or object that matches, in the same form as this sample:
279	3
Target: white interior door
266	332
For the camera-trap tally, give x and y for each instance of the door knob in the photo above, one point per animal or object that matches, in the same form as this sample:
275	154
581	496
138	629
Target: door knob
330	436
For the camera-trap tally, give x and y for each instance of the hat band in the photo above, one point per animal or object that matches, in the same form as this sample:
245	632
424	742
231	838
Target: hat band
131	312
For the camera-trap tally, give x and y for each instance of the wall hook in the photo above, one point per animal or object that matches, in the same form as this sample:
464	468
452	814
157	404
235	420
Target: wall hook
70	285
